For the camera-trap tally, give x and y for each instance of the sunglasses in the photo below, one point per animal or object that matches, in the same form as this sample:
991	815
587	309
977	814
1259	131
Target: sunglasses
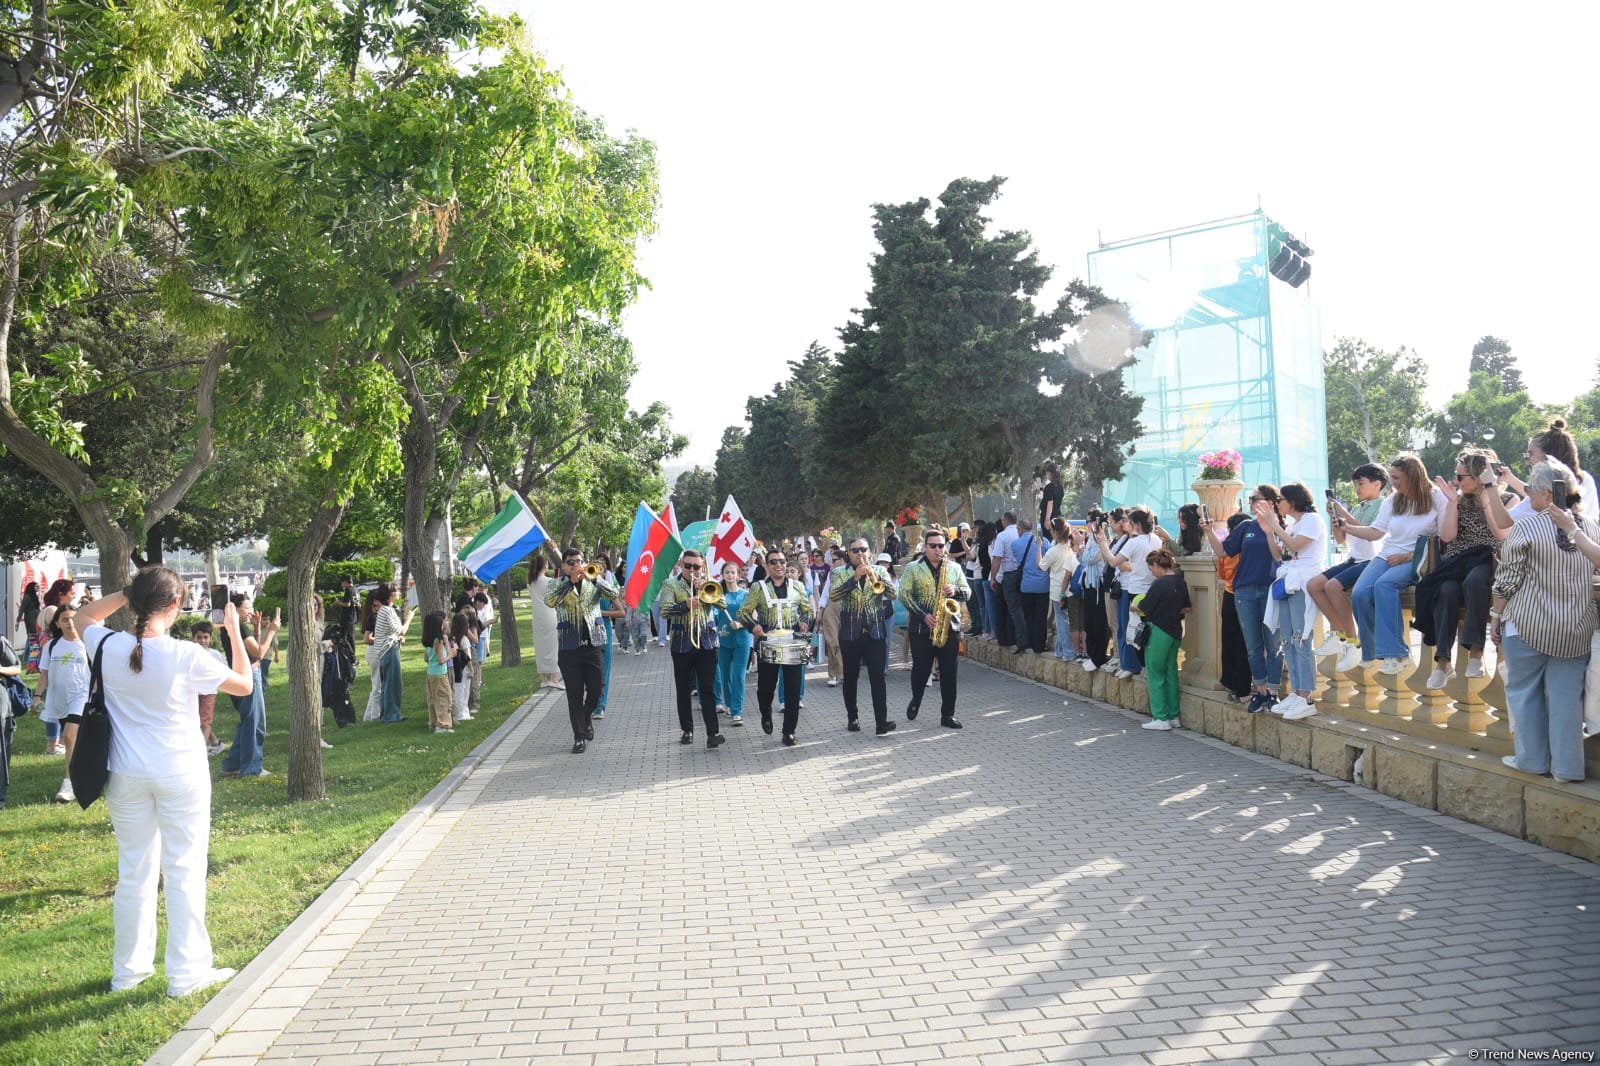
779	561
857	551
935	547
694	567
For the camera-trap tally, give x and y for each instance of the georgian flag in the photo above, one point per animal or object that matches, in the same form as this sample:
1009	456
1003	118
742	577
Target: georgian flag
734	541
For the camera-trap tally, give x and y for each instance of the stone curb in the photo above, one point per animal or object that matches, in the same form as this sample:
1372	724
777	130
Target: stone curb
202	1031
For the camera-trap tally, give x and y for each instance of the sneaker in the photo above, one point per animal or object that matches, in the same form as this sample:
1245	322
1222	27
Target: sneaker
1331	645
1257	702
64	794
599	713
56	749
1350	659
1088	666
1475	668
1305	709
1123	675
1284	706
833	682
1158	725
1392	667
1439	676
325	744
446	729
1511	761
216	748
1109	666
736	719
206	980
465	717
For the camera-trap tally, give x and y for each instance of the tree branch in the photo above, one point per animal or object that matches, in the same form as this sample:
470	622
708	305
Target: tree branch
401	282
205	394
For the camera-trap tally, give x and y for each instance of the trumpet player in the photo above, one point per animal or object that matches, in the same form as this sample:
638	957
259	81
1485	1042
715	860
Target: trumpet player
777	603
932	590
692	637
864	596
581	635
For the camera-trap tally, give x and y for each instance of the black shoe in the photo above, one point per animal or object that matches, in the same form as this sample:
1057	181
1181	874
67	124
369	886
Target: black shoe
788	740
589	735
716	740
766	723
687	738
579	745
950	723
854	726
885	728
1019	651
911	711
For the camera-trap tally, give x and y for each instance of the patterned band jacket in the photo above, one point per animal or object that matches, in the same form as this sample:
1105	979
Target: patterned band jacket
768	608
675	596
577	607
862	613
921	589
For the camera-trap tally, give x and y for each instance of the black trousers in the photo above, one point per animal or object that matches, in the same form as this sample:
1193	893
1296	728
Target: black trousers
583	672
1096	627
1036	609
868	650
1472	590
767	687
691	669
923	653
1016	618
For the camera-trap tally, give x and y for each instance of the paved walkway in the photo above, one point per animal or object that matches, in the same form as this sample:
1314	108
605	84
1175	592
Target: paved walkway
1050	884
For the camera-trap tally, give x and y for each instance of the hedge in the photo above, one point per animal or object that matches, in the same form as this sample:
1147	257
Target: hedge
361	571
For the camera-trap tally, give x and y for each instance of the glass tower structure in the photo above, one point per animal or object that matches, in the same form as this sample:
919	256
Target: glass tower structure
1234	361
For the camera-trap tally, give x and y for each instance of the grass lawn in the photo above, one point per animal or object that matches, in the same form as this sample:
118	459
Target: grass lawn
269	860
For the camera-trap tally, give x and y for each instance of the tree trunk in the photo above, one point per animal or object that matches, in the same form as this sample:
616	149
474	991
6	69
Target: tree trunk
1087	496
419	447
213	570
506	622
303	659
153	554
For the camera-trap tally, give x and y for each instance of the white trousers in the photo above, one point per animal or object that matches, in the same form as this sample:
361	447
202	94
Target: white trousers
163	826
460	691
374	698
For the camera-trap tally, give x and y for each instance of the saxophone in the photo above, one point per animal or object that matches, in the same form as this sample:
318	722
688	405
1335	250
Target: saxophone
948	610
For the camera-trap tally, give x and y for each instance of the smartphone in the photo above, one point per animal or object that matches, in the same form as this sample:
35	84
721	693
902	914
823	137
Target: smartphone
1328	493
1205	515
1499	468
219	598
1558	493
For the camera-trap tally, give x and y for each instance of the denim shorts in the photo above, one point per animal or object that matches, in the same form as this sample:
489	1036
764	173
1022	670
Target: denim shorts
1346	572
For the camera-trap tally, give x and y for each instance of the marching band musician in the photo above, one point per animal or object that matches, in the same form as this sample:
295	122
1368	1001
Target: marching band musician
692	628
928	583
581	635
776	603
863	630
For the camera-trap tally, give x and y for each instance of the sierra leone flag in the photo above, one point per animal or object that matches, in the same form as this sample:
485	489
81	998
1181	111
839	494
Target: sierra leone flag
510	538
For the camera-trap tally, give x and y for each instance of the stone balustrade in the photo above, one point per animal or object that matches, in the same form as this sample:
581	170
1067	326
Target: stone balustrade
1436	748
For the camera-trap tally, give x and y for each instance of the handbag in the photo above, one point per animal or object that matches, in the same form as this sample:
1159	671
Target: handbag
21	696
91	754
1426	556
1075	587
1139	639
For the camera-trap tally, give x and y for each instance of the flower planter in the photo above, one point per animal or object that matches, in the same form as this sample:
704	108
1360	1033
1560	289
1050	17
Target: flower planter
1221	500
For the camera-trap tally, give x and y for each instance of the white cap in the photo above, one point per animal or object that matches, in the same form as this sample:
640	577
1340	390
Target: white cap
964	526
885	557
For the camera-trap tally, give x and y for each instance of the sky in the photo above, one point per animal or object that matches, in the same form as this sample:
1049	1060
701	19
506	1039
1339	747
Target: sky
1439	159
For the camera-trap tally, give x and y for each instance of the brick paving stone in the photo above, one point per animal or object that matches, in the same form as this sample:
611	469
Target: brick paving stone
1050	884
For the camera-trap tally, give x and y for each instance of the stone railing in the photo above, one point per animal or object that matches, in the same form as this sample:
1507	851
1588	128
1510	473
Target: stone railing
1436	748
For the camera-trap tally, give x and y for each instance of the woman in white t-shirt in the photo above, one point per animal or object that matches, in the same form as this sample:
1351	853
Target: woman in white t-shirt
1301	546
64	682
1130	557
159	790
1555	442
1061	560
1408	517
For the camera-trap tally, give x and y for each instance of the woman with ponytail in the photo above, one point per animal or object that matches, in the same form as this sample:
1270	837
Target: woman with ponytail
1554	442
158	793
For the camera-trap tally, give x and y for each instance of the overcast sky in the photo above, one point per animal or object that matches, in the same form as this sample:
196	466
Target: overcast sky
1440	159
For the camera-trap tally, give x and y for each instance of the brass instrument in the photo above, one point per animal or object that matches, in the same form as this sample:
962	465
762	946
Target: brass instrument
948	610
594	572
711	594
875	584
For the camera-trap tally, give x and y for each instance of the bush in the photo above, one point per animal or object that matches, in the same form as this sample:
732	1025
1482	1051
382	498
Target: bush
183	625
361	571
276	586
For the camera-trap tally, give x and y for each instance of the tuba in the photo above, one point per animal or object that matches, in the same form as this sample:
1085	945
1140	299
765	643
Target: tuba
948	611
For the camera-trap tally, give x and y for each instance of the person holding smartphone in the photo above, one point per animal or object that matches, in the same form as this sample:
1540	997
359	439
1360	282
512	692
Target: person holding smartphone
1543	620
1330	590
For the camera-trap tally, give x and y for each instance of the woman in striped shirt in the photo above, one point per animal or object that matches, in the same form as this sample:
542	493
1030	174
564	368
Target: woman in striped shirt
1543	620
388	630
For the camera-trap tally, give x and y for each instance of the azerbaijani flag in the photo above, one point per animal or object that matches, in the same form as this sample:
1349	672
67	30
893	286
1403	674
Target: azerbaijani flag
504	542
641	532
661	550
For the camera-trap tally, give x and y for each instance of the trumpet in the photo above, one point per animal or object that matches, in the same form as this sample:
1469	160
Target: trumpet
875	584
711	594
948	611
593	572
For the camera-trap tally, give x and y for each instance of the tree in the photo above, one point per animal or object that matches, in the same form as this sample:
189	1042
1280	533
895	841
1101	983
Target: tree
952	375
1485	404
786	444
1493	356
732	468
694	494
1373	400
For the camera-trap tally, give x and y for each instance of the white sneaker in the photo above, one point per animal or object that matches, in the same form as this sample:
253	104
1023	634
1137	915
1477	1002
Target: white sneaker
833	682
1088	666
324	743
1439	676
1109	666
1123	675
205	980
1392	667
1292	702
1475	668
1351	658
1304	710
1331	645
1158	725
64	794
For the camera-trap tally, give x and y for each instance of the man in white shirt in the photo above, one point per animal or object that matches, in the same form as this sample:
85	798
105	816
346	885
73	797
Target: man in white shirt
1001	564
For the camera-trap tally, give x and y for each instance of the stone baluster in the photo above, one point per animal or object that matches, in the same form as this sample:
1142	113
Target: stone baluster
1335	690
1200	665
1433	705
1469	714
1493	695
1395	699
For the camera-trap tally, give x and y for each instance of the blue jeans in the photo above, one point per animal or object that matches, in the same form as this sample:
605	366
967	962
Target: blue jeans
389	668
250	738
991	626
975	604
1296	648
1127	654
1064	649
483	645
1260	643
605	671
732	657
1545	697
1375	601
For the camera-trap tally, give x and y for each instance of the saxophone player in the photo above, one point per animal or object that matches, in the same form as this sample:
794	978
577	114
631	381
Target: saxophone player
777	603
930	588
864	596
581	634
692	638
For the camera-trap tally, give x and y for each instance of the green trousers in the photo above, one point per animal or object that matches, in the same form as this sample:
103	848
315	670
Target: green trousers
1161	673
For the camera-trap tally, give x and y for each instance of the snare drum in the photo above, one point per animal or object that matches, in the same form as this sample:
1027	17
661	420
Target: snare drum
791	653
